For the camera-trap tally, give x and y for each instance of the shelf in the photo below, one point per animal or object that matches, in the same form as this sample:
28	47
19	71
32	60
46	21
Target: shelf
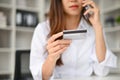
14	37
5	73
5	50
6	28
31	9
112	9
20	49
112	29
5	39
3	5
24	29
117	50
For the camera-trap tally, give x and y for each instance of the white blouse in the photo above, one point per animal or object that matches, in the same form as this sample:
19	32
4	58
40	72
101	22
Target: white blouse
79	59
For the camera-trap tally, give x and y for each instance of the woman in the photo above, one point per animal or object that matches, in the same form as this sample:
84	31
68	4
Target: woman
53	57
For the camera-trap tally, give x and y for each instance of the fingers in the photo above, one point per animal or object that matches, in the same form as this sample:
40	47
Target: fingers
55	52
90	11
89	2
59	52
54	37
93	10
58	42
57	48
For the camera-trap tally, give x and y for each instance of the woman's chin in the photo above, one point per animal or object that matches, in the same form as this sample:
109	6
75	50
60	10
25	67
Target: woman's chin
74	14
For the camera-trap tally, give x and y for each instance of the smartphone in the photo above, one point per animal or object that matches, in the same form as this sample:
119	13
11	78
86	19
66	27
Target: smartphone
90	13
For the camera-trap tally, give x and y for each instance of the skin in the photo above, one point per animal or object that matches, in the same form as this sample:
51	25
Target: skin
56	48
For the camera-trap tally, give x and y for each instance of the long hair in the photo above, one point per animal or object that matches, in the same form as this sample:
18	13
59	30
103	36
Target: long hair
57	20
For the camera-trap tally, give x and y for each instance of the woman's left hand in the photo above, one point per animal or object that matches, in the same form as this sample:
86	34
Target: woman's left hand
95	17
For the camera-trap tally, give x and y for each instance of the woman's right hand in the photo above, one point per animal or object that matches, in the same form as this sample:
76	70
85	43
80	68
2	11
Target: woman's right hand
56	47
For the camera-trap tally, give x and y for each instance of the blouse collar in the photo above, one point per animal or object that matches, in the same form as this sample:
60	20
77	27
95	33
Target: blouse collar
82	24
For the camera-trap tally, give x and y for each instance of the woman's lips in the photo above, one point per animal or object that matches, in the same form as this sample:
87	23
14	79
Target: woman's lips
74	6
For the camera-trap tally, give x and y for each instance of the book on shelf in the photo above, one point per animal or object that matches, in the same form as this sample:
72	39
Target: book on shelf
26	18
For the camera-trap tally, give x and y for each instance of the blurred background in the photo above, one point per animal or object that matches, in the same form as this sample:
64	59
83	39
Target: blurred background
18	19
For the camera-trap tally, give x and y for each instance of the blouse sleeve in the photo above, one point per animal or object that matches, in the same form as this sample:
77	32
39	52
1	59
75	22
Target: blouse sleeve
37	55
102	69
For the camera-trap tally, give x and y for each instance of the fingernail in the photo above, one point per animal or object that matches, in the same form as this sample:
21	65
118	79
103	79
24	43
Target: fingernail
84	14
61	32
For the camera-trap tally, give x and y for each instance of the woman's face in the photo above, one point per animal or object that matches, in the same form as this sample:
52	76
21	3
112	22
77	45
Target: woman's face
72	7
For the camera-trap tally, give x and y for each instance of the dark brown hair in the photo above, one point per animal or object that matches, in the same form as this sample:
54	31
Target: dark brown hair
57	20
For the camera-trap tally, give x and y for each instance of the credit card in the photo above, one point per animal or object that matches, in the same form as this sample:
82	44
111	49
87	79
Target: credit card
74	34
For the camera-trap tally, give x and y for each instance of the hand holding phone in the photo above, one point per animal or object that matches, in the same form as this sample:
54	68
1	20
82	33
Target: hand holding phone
90	13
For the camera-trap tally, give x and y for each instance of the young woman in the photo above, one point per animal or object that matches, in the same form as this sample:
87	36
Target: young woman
53	57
